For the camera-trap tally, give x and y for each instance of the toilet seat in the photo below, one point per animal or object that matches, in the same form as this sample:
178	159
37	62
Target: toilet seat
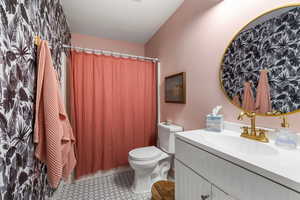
145	153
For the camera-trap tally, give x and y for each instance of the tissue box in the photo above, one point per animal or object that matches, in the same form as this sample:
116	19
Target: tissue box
214	123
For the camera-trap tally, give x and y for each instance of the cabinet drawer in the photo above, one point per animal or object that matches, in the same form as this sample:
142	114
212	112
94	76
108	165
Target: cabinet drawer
234	180
217	194
189	185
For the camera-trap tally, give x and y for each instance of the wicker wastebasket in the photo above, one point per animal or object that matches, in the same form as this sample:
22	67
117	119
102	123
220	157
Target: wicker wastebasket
163	190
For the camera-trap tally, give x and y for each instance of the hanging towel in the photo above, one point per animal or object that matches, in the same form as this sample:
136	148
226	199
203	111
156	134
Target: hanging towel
248	100
236	100
52	130
263	99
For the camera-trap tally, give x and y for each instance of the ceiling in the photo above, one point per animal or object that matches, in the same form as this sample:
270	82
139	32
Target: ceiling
126	20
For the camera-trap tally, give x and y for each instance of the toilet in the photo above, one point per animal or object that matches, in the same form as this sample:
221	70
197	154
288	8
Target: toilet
152	164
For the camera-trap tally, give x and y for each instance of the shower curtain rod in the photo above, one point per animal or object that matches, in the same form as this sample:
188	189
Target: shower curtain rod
104	52
111	53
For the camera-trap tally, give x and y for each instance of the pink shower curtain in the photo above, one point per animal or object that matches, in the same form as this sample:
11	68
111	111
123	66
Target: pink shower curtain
113	106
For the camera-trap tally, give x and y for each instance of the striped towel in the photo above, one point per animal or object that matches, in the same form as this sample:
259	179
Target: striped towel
53	134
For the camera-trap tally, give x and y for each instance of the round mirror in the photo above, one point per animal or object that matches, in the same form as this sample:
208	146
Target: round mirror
260	70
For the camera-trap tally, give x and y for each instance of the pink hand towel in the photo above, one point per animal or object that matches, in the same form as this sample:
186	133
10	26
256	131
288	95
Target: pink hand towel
236	100
53	134
263	99
248	100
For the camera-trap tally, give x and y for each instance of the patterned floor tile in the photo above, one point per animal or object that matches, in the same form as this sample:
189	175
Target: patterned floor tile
112	187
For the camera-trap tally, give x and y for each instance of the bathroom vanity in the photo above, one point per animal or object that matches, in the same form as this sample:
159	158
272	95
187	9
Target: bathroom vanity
246	164
224	166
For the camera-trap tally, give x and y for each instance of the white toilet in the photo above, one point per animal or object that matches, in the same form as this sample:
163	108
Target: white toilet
151	164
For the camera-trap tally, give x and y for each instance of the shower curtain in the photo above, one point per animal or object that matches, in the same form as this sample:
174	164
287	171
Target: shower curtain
113	109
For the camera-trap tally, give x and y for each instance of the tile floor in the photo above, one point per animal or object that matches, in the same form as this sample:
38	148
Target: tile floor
111	187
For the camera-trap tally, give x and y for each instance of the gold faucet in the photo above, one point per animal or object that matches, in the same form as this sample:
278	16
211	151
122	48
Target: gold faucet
254	134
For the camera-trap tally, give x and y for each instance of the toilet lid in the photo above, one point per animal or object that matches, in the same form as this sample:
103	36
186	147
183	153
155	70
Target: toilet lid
145	153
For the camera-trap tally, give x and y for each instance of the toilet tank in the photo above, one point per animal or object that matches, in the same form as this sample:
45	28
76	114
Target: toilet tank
166	137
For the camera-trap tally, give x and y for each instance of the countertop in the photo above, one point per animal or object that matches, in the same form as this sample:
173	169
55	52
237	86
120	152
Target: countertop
279	165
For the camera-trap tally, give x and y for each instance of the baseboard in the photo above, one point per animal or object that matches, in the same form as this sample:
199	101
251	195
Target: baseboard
104	173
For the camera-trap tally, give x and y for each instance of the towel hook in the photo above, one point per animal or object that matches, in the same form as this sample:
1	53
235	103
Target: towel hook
37	40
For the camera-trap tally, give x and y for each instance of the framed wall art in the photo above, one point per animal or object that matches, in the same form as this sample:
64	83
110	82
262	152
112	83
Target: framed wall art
175	88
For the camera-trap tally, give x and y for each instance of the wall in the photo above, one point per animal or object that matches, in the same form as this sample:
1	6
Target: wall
21	175
107	44
194	40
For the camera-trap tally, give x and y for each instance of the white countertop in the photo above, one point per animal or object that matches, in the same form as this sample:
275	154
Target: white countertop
268	160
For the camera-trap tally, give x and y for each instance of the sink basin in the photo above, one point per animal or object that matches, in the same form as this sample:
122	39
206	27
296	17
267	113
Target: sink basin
240	145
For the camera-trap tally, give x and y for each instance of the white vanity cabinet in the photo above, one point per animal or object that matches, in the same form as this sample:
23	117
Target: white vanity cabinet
202	175
191	186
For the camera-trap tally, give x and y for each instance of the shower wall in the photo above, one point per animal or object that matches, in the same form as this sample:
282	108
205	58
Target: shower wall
21	175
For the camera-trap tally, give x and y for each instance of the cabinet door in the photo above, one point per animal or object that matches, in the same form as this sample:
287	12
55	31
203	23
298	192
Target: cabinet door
219	195
189	185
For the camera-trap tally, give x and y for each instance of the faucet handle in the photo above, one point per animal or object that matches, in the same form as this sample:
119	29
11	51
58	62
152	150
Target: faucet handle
245	130
284	123
262	135
262	131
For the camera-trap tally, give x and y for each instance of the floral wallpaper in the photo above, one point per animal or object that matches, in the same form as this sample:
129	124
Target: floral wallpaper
21	175
272	45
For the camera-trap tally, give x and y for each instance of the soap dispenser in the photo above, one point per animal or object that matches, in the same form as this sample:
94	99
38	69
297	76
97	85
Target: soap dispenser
285	137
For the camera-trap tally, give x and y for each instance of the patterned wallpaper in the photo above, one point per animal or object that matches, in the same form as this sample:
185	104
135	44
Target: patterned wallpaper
272	45
21	175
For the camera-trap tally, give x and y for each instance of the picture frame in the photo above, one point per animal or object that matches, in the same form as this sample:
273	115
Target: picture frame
175	88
